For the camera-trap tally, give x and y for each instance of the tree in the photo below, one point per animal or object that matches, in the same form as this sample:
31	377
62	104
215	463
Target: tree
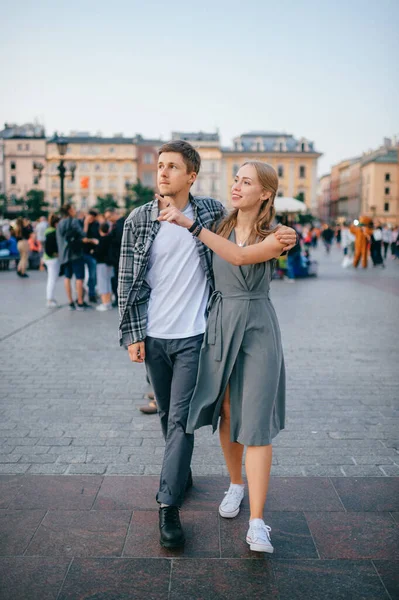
36	205
138	194
104	202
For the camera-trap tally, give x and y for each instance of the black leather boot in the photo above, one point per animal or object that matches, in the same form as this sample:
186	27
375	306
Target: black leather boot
172	534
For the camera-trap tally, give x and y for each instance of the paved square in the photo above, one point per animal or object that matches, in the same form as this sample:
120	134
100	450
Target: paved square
69	396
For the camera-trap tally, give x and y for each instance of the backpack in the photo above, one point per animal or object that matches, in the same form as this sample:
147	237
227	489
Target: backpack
50	244
73	239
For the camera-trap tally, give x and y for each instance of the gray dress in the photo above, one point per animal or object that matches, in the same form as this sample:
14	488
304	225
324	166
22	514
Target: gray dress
242	347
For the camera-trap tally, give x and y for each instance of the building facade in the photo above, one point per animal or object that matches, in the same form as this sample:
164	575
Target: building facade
208	182
379	190
23	160
366	185
295	161
324	198
147	160
103	166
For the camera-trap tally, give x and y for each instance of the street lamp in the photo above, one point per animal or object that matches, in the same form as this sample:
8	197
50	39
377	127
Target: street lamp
62	146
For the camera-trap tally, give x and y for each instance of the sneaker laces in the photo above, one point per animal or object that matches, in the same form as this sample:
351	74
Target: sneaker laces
260	529
232	494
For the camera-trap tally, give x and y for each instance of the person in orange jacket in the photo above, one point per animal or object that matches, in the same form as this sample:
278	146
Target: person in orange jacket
362	233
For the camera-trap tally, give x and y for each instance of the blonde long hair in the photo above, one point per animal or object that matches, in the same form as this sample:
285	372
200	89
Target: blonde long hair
269	181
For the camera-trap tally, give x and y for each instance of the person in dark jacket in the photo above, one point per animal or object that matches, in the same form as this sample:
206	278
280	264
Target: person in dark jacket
116	232
50	259
104	268
91	230
70	239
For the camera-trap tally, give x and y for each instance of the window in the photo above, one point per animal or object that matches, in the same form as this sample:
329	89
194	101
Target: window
53	168
19	146
387	177
98	182
83	202
13	180
13	166
387	191
258	146
148	179
112	150
213	167
54	201
281	146
26	146
302	171
127	167
54	184
112	184
148	158
69	183
112	167
13	199
280	171
303	147
301	196
386	207
213	186
35	180
98	167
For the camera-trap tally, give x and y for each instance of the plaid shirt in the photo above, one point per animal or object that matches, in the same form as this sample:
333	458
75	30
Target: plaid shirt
140	230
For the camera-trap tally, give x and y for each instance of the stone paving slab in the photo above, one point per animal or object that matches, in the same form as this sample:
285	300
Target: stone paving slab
97	537
69	395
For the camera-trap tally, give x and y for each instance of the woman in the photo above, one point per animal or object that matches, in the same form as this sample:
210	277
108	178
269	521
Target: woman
241	374
376	247
23	230
51	259
104	268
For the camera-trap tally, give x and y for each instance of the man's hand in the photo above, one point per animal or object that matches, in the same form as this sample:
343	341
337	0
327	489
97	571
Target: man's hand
137	352
286	236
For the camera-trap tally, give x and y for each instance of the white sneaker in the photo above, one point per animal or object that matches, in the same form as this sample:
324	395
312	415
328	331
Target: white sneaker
230	507
258	536
104	307
51	304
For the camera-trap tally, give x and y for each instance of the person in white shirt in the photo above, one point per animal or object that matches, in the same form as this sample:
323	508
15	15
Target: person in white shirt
386	239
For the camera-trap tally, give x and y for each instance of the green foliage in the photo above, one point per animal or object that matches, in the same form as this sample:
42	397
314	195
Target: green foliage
300	196
35	204
104	202
138	194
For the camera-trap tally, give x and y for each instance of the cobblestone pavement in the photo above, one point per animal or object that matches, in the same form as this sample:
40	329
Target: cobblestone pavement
69	395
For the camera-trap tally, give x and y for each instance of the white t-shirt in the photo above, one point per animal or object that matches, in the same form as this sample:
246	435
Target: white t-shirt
179	289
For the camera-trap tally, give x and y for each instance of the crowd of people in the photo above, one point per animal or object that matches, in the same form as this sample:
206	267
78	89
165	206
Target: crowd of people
71	244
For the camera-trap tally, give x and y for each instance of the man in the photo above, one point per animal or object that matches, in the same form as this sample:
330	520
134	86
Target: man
70	239
91	230
165	279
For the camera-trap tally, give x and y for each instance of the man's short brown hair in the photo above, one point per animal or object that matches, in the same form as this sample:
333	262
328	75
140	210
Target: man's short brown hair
191	158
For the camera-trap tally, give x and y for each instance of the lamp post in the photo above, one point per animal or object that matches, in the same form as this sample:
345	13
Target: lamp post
62	146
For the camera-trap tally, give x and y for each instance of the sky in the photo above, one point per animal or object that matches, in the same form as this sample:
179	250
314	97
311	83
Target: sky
324	70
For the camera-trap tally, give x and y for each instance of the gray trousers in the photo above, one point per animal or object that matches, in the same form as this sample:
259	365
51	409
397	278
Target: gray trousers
172	367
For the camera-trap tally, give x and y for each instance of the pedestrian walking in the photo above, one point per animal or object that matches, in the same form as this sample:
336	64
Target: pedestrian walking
104	268
376	247
165	278
23	229
241	375
116	234
70	239
386	239
327	236
91	231
50	259
347	242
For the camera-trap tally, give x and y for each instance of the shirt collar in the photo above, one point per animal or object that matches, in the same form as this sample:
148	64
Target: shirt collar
155	208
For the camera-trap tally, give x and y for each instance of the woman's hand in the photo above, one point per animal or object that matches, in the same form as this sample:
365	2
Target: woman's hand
171	214
287	236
